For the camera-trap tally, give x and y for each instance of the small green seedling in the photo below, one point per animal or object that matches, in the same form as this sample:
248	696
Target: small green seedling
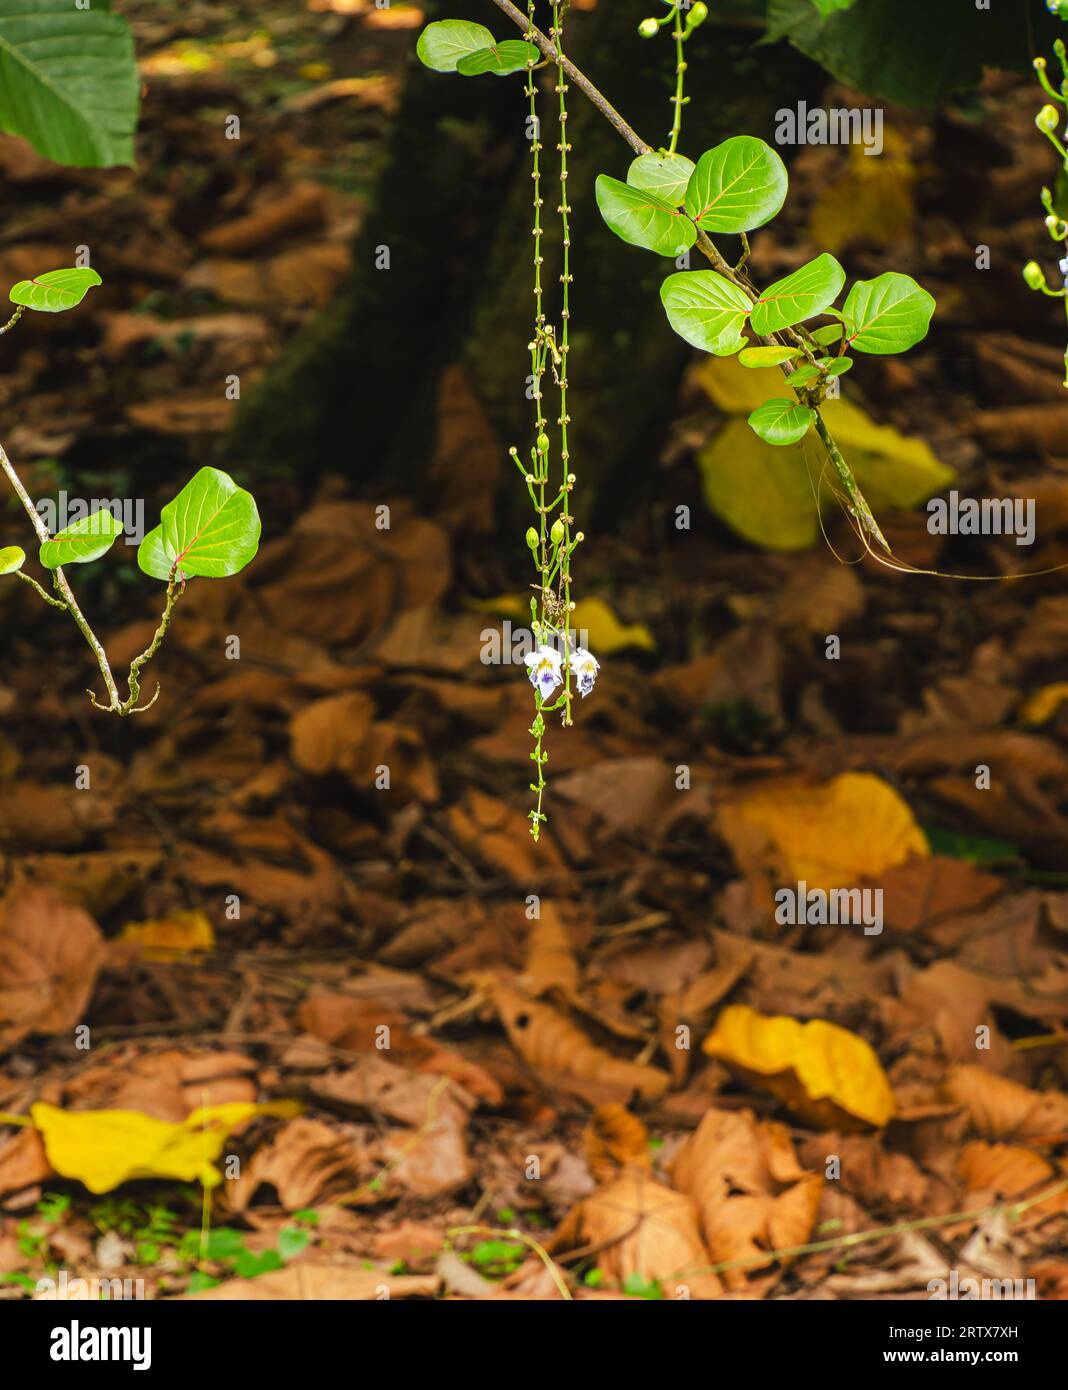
210	530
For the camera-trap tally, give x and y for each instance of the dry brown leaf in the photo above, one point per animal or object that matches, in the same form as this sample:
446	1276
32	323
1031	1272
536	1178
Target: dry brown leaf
303	1160
1003	1109
335	1282
1003	1170
23	1161
923	892
752	1194
551	962
616	1140
642	1229
552	1045
50	952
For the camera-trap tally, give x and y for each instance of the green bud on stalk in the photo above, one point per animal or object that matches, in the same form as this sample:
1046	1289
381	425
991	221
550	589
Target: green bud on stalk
648	28
697	15
532	538
1032	273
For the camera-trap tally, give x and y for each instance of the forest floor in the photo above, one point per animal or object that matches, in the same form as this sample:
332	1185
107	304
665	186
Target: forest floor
455	1055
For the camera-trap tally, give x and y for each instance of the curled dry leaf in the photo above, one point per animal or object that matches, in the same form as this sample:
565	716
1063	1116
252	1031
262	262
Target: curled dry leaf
551	1044
551	963
50	952
749	1188
301	1162
641	1229
1003	1109
828	836
824	1073
616	1140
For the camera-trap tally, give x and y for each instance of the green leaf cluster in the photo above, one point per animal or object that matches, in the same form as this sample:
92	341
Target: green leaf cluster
458	45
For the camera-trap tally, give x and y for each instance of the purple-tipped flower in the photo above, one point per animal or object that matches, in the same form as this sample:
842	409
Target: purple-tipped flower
544	666
585	667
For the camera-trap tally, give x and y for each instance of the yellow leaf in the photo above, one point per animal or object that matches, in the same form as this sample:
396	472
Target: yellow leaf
872	203
830	836
816	1068
605	633
767	494
1044	704
104	1148
166	937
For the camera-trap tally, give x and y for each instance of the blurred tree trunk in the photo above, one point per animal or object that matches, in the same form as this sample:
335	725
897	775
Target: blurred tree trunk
356	391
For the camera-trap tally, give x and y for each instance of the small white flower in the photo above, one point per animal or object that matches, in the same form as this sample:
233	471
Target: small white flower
585	666
544	666
1064	269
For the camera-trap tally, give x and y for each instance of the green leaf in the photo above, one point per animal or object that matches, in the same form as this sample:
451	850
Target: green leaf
501	58
442	44
827	366
888	314
767	356
806	292
706	309
827	7
291	1241
643	219
736	187
249	1266
781	422
55	290
828	335
68	81
12	558
211	529
83	541
666	175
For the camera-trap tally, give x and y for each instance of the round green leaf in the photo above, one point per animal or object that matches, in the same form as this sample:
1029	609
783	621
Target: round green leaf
12	558
806	292
888	314
69	81
767	356
666	175
55	290
828	335
781	422
737	186
825	366
643	219
706	309
501	58
442	44
211	529
82	541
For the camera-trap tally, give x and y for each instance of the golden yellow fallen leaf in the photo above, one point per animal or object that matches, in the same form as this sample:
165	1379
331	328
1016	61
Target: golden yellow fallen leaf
104	1148
605	633
824	1073
872	203
1040	707
828	836
175	935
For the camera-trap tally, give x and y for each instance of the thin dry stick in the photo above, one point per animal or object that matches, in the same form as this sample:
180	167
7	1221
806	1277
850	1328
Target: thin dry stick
528	1241
860	506
1012	1209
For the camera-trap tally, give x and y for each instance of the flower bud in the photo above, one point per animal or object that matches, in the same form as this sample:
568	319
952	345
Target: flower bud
648	28
532	538
556	535
543	443
697	15
1032	273
1048	119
